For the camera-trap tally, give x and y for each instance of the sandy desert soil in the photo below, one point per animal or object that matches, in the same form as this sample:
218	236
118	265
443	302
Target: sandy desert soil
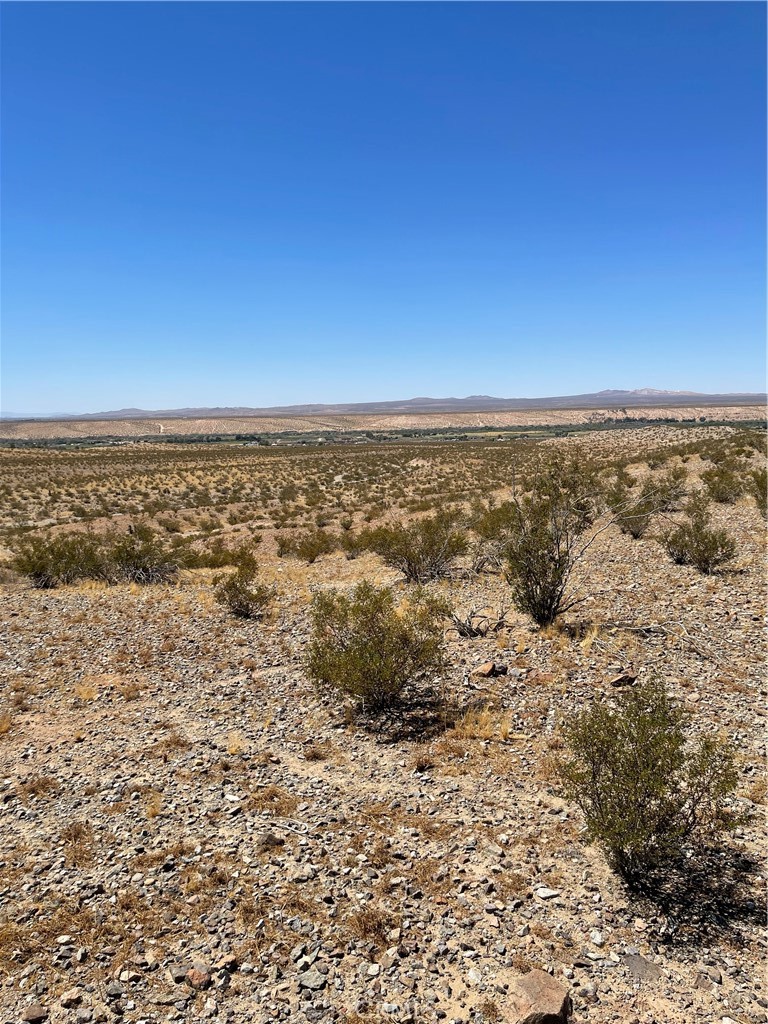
40	429
190	831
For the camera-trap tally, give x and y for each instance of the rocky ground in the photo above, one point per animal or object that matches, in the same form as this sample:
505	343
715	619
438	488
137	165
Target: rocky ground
189	831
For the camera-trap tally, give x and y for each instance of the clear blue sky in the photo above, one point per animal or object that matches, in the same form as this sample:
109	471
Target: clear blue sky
257	204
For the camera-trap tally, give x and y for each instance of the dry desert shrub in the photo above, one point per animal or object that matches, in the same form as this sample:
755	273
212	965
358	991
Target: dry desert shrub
242	594
696	543
422	550
757	485
363	647
550	533
645	787
138	556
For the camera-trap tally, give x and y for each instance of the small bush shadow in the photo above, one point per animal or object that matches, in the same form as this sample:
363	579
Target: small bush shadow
422	715
703	899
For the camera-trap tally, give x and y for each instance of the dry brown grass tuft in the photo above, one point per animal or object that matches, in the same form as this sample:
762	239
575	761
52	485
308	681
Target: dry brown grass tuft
38	787
321	750
487	722
757	791
178	850
422	760
129	690
86	690
78	840
275	799
173	741
371	924
490	1011
380	855
153	803
236	743
19	943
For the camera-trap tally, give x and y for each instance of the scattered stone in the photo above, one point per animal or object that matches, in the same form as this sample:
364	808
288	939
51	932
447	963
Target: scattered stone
539	999
460	857
266	841
545	893
198	978
313	980
642	969
489	669
34	1014
72	997
623	679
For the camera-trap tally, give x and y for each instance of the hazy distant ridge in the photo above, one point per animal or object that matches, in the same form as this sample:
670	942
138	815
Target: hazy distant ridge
609	399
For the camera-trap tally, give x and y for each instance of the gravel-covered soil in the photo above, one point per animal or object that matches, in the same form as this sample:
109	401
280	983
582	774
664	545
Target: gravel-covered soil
190	831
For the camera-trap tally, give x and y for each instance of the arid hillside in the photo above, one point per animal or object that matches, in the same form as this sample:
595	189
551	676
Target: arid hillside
39	429
192	829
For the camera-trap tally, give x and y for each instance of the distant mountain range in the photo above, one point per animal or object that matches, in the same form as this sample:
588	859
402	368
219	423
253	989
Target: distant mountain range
610	399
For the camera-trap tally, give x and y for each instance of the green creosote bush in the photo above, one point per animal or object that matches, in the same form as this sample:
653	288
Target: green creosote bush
550	534
353	544
242	594
493	526
55	561
215	555
757	484
724	485
284	543
696	543
310	544
670	488
617	489
422	550
645	787
633	513
364	647
137	556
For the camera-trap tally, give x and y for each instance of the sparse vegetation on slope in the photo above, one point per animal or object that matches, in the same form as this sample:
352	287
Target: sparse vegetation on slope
696	543
367	649
190	808
646	788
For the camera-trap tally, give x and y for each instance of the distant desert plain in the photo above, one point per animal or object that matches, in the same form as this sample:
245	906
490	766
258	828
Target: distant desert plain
476	412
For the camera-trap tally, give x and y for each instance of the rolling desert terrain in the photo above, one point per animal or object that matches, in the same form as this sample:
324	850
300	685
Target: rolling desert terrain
193	830
146	427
